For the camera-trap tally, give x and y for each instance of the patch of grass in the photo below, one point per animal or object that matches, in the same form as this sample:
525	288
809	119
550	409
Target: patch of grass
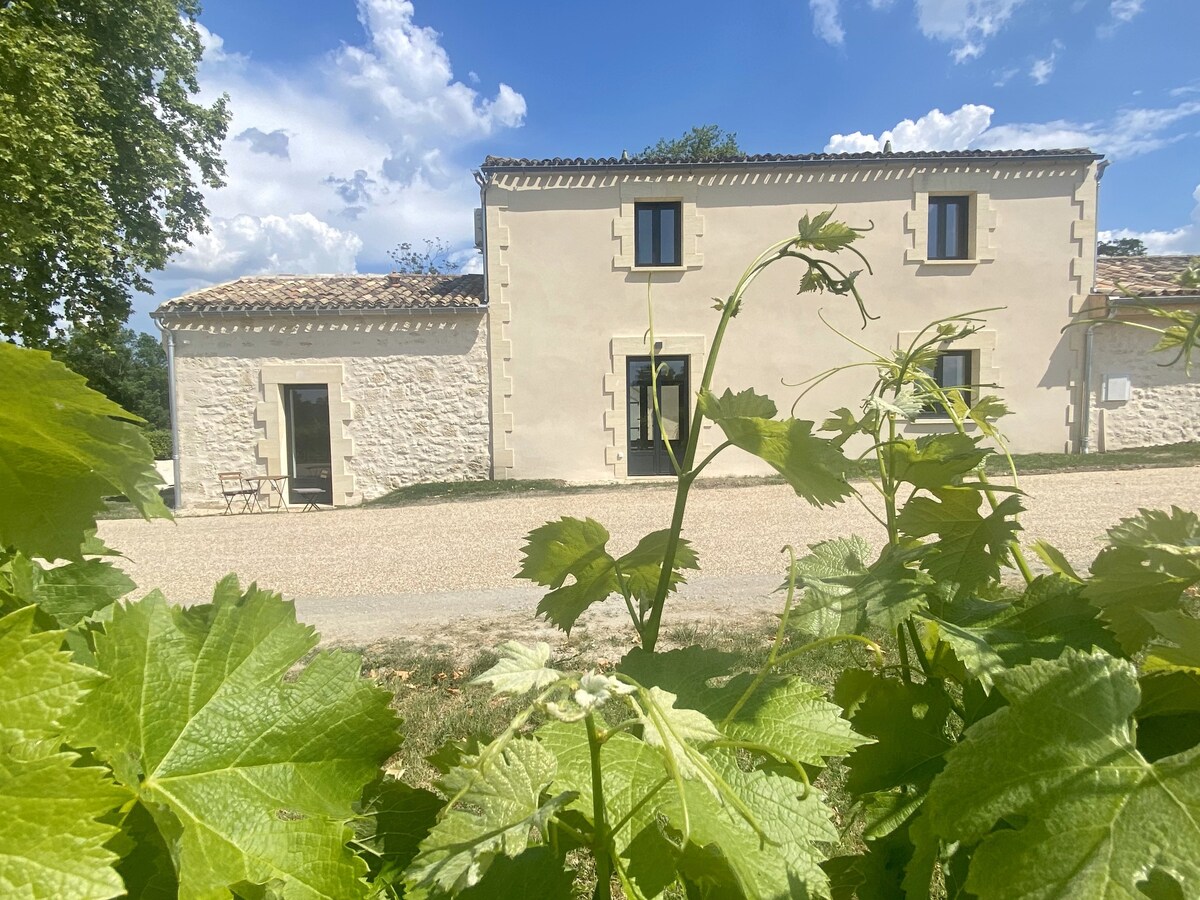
1164	456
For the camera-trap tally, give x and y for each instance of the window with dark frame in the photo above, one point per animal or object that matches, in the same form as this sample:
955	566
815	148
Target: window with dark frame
657	234
948	222
952	371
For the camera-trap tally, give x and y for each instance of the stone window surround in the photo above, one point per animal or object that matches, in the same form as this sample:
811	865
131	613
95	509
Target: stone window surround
272	447
616	418
691	224
974	185
984	371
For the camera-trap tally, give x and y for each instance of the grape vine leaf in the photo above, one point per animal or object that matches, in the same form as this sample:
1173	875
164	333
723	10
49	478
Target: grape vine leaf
1153	558
631	772
685	671
538	874
843	595
672	729
53	842
1089	816
503	797
520	668
728	859
250	776
933	461
1184	632
908	724
67	593
814	466
576	548
63	449
970	548
400	817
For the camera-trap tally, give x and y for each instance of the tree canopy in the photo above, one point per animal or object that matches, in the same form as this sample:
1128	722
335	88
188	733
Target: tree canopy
433	260
101	148
1122	247
702	143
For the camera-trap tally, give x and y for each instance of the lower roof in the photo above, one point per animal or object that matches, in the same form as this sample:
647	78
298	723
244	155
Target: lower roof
1144	276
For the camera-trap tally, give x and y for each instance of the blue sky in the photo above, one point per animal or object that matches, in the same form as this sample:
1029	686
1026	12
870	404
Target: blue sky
356	124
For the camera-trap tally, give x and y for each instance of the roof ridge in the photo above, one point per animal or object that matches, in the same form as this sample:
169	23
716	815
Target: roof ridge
874	155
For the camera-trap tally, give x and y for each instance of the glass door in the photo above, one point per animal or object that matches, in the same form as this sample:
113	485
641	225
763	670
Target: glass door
306	408
648	441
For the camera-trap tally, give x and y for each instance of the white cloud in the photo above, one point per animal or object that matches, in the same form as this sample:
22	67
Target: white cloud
967	24
933	131
1121	11
827	23
267	245
1131	132
1043	68
333	163
1185	239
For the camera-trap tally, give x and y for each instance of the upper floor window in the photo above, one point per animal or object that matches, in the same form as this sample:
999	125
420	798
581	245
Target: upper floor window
948	222
656	229
952	371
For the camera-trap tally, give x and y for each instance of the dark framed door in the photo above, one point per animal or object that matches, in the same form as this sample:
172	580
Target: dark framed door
647	440
306	408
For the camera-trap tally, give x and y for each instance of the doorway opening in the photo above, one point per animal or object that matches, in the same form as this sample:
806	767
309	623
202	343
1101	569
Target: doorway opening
647	440
306	408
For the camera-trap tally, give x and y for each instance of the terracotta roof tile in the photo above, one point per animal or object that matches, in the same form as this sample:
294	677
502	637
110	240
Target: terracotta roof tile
333	292
501	162
1146	276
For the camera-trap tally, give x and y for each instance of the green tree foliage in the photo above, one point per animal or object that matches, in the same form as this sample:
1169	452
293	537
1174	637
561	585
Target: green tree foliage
1122	247
100	146
703	143
130	370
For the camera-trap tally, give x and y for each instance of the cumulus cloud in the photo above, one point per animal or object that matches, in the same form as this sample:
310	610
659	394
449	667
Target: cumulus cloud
273	144
333	163
267	245
1121	11
933	131
827	21
1184	239
1131	132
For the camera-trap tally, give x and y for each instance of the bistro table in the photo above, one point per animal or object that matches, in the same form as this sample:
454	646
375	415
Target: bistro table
271	484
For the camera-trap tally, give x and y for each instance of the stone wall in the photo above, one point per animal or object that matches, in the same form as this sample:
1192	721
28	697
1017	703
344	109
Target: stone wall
411	406
1164	404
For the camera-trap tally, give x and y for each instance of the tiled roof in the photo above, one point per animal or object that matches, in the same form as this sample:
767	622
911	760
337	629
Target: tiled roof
307	293
500	162
1146	276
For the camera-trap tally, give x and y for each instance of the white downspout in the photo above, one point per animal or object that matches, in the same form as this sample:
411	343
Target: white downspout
169	335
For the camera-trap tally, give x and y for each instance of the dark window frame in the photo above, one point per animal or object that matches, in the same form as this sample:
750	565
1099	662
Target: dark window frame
656	251
936	410
938	233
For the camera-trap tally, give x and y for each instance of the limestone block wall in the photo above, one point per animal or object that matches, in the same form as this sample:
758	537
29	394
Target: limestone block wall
408	398
1164	404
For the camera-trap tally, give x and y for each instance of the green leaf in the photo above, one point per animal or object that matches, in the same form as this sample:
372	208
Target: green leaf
250	775
520	668
53	844
970	548
815	467
684	672
538	873
1169	714
725	856
570	548
842	595
672	729
641	567
1087	814
1175	534
986	411
934	461
905	403
1184	632
68	593
785	714
402	816
1055	560
631	772
744	404
499	805
63	448
908	723
844	424
822	233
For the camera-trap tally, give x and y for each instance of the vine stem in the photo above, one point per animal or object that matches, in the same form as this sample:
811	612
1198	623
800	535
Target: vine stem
601	850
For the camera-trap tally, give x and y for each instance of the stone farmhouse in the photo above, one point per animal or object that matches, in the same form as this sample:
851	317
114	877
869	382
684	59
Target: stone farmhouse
357	384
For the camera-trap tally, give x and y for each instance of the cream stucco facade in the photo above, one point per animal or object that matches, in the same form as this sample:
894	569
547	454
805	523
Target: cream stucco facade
568	304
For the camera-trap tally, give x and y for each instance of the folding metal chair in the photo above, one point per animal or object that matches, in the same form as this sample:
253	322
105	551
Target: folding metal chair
233	486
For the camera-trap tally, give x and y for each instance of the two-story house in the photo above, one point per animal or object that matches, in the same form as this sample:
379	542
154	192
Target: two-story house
540	368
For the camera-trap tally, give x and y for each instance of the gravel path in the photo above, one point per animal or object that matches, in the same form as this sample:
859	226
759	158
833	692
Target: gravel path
364	574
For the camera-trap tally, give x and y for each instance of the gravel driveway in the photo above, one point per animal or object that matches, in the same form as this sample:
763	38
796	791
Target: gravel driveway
361	575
